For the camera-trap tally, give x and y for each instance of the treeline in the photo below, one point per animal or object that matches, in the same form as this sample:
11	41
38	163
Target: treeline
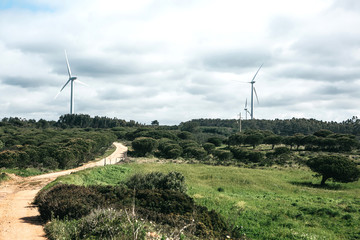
70	121
286	127
50	148
239	148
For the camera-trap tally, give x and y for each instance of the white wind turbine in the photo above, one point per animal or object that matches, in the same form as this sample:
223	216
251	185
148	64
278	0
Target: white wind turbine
246	110
71	79
252	93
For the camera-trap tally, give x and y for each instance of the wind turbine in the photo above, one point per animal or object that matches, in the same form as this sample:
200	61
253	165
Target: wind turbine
71	80
252	93
246	110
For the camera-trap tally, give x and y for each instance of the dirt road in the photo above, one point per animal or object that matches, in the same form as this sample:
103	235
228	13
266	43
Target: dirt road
19	220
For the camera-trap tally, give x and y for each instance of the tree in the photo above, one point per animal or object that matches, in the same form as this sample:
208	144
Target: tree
254	139
273	140
338	168
143	145
155	123
215	140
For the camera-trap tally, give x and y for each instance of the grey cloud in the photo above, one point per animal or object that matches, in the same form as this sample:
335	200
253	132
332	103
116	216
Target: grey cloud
318	72
234	59
28	82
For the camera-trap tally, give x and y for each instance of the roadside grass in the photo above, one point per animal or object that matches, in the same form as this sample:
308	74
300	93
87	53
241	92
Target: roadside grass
270	203
27	172
108	152
3	177
107	175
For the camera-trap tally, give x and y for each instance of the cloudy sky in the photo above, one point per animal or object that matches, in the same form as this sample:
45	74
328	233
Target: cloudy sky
182	59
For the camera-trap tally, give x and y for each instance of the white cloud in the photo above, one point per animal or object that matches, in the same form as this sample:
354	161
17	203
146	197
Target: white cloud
177	60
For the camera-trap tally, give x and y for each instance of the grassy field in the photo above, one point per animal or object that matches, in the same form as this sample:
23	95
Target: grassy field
272	203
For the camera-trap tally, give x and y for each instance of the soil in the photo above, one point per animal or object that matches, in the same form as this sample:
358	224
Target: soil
19	219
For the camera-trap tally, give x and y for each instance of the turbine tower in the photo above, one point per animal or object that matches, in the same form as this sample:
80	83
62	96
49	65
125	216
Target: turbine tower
246	110
252	93
71	80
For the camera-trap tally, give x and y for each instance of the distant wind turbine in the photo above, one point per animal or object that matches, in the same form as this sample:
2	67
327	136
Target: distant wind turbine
246	110
252	93
71	79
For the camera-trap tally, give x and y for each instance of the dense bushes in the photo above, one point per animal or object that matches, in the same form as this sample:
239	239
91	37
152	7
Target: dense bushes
144	145
156	180
68	201
157	197
50	148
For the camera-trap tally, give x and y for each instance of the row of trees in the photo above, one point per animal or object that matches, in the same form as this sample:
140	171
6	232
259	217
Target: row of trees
322	140
284	127
70	121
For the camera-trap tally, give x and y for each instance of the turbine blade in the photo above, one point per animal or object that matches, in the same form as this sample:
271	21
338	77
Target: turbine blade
67	64
65	85
245	103
256	73
256	95
57	95
78	81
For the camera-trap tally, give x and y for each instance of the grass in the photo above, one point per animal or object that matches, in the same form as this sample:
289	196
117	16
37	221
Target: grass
272	203
23	172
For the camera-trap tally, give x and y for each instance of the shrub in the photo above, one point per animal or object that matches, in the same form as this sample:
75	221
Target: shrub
239	153
198	153
68	201
156	180
170	150
209	147
110	223
281	150
185	135
216	141
223	155
255	157
144	145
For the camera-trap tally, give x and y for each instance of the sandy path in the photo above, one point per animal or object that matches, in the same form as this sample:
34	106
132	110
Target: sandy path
19	220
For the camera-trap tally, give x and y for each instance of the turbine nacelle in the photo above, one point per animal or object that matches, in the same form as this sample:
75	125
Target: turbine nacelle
73	78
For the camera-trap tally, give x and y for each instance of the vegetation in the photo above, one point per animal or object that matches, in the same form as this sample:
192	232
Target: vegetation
339	168
255	184
161	200
271	203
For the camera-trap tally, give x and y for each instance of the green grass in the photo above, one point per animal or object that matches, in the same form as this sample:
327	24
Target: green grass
107	175
24	172
282	203
3	177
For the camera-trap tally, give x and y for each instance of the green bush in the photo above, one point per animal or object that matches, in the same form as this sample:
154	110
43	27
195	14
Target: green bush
198	153
209	147
223	155
169	149
216	141
185	135
144	145
156	180
281	150
67	201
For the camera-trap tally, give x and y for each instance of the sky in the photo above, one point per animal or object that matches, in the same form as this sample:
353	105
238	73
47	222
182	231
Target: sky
178	60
